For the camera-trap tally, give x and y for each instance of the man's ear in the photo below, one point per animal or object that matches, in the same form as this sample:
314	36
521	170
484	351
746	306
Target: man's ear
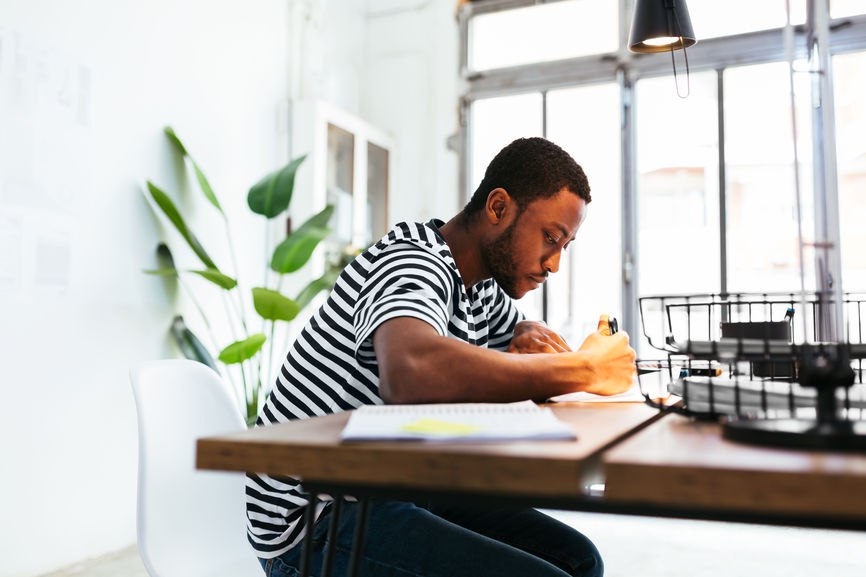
498	205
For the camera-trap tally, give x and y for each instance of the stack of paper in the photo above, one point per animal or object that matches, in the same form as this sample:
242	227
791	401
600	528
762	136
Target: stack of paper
732	395
455	422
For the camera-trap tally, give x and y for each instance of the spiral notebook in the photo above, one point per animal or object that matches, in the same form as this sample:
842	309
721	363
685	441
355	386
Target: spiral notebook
455	422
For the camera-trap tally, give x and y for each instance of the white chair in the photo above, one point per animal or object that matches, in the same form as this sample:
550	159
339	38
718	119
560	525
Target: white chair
190	523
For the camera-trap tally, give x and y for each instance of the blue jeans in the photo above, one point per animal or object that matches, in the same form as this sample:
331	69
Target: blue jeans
406	539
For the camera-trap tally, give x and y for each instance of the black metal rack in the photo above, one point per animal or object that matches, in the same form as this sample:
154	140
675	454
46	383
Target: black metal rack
753	362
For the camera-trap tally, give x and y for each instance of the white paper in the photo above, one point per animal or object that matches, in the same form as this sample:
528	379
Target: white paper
455	422
632	395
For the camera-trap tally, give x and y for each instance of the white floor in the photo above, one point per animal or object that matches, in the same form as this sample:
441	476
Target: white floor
648	547
123	563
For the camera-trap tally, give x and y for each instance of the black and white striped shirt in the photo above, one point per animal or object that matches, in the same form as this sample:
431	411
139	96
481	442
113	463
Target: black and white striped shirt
332	367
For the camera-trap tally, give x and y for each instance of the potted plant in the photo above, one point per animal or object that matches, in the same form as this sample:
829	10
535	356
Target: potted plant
269	197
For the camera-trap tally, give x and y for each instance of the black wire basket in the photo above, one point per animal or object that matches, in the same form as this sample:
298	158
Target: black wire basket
751	361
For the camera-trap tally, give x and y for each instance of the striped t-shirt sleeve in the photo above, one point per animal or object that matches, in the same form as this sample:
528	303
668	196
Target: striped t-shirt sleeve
405	281
504	315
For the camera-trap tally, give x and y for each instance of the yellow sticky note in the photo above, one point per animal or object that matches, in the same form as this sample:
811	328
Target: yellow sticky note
443	428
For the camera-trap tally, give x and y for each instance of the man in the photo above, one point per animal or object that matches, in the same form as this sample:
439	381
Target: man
426	316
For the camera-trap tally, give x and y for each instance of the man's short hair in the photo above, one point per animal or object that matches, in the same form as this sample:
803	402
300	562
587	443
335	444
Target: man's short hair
529	169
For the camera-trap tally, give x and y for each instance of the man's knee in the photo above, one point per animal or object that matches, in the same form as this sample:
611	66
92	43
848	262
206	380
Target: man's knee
591	566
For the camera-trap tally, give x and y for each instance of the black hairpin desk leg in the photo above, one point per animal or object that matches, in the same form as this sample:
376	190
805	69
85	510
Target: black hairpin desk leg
307	545
358	540
332	535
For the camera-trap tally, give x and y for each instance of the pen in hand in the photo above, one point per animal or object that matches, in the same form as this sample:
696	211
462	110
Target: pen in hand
607	325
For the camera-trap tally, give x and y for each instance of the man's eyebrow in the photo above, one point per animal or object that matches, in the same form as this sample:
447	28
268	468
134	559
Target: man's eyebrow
564	231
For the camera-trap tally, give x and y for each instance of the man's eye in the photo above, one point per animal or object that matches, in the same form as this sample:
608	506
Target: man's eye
550	238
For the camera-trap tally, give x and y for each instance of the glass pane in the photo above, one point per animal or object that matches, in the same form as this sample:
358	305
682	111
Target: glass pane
677	189
340	181
495	123
761	200
849	76
712	18
377	192
542	33
842	8
585	122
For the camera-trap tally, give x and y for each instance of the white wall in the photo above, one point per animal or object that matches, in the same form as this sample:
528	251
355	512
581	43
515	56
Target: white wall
85	89
411	91
394	64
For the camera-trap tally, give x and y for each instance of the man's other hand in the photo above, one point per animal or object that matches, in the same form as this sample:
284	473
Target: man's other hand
612	361
536	337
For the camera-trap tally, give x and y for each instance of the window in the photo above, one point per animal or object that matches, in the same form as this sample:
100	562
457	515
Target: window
524	114
677	157
759	157
542	33
585	122
704	186
849	75
712	19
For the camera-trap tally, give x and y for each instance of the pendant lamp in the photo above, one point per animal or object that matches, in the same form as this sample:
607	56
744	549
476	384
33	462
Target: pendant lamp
660	26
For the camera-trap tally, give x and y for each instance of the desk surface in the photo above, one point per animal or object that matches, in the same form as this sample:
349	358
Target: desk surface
665	466
311	450
680	464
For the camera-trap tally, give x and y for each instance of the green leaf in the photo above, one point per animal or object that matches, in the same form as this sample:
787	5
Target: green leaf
169	131
163	256
218	278
168	208
161	271
239	351
274	306
323	283
189	344
206	188
320	219
272	194
294	252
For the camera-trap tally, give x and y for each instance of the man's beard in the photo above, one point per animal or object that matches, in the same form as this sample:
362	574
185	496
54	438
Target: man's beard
498	258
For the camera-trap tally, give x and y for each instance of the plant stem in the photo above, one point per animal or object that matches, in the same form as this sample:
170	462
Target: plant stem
209	331
267	264
236	270
271	351
200	310
232	326
246	406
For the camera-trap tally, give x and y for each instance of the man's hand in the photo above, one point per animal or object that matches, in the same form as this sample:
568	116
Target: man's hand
536	337
612	360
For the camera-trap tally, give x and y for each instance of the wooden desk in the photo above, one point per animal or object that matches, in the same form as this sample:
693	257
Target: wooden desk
542	471
679	465
652	465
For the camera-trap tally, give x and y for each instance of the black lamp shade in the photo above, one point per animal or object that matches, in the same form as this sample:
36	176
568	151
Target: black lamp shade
660	25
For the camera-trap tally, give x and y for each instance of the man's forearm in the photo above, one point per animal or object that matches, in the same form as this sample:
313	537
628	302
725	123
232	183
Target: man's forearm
416	365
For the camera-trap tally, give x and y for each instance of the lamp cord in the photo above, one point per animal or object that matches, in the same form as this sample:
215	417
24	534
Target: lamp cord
679	31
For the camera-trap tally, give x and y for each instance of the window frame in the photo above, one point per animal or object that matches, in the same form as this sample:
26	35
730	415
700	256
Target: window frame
847	34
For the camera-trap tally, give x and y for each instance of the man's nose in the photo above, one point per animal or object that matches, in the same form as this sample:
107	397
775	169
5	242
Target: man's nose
551	264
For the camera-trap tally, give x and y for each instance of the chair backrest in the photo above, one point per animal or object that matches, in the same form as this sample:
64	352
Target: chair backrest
189	522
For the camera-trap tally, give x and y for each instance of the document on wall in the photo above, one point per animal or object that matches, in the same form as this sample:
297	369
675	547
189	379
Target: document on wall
455	422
